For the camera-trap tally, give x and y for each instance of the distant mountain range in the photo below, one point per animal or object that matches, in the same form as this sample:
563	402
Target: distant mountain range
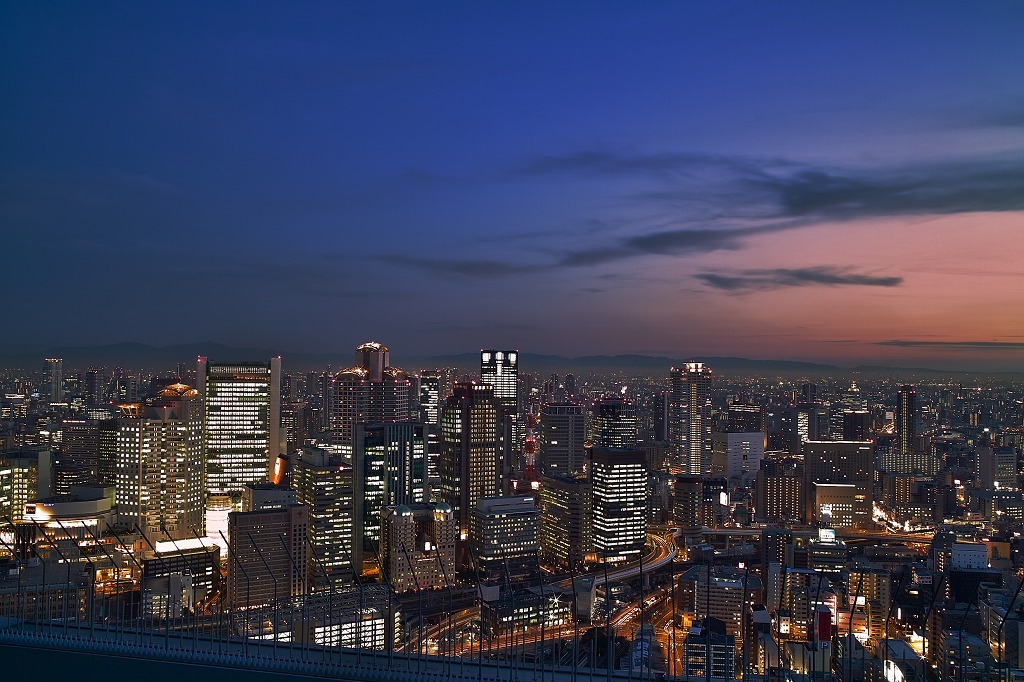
142	356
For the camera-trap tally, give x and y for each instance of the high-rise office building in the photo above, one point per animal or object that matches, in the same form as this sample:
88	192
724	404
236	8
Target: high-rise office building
500	369
841	462
907	415
737	456
619	503
470	464
389	468
856	424
430	400
744	418
613	422
159	480
565	520
55	368
242	421
369	391
562	447
324	484
779	490
268	556
96	381
505	535
690	417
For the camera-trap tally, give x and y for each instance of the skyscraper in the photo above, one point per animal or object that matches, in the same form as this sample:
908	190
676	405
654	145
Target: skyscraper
242	421
613	422
159	480
619	503
324	484
562	447
389	463
369	391
850	462
470	465
906	430
268	556
690	417
56	372
500	369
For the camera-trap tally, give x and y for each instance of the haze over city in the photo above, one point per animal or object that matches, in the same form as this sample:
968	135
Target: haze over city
833	182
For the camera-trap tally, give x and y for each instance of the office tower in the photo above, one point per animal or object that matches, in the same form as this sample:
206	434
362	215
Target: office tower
369	391
809	394
715	499
324	484
744	418
801	423
737	456
619	503
505	536
570	386
95	386
25	475
709	653
243	421
690	417
996	467
55	367
418	546
470	465
562	447
720	595
774	542
389	468
779	491
856	425
688	504
159	479
430	397
841	462
613	422
268	558
78	455
500	369
907	416
565	520
430	400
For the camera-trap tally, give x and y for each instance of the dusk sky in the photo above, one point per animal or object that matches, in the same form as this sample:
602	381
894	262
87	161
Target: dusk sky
823	181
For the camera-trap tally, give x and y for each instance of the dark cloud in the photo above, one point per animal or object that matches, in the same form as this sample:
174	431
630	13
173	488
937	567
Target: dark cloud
733	188
975	345
466	267
764	280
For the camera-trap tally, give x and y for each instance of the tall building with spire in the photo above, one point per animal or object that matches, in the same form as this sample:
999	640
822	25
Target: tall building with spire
690	417
242	422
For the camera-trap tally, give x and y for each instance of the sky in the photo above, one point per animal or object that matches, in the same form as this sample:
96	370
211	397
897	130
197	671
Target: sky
834	182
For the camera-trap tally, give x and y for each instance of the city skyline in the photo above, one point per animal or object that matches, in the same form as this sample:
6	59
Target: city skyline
836	184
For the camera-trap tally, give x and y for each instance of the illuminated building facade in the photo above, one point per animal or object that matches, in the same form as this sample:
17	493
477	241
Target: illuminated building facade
565	520
737	456
324	484
390	467
55	369
690	417
242	420
418	546
613	422
500	369
505	535
907	416
369	391
159	480
470	464
268	556
850	462
779	490
562	447
619	503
